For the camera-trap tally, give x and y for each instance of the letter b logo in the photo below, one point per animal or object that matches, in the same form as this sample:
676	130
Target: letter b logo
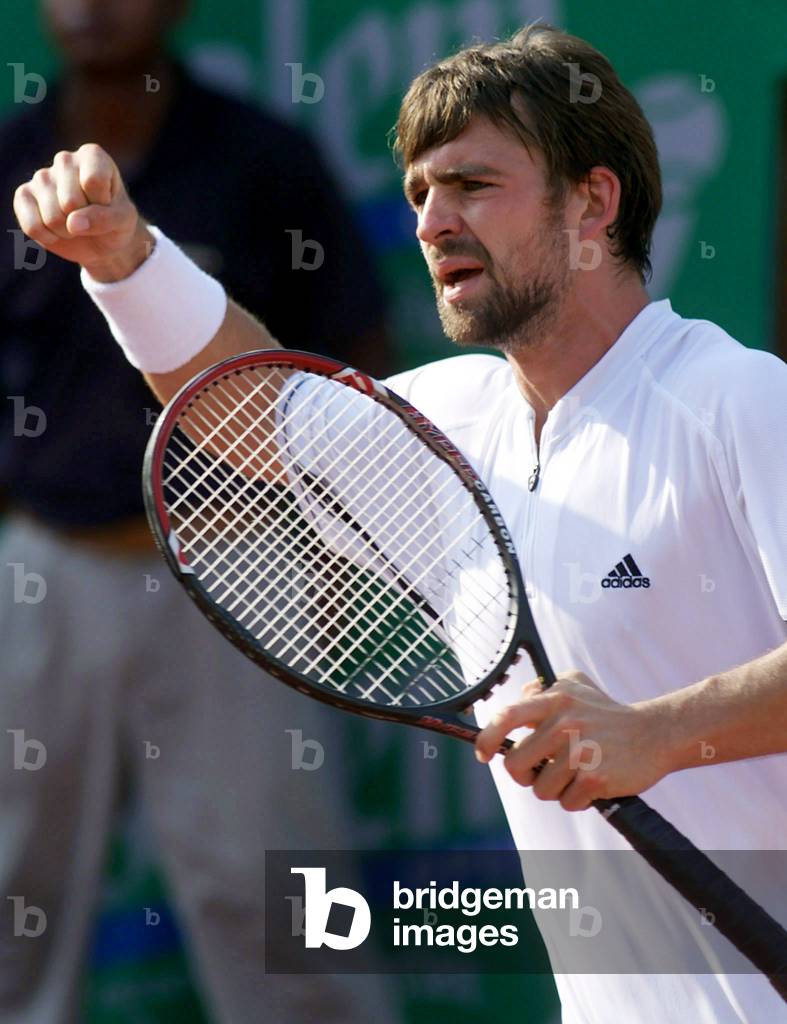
318	902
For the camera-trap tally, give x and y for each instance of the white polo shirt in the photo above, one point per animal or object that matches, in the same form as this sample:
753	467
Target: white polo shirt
654	547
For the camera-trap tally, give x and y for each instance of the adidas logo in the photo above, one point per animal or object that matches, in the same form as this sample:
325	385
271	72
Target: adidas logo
625	574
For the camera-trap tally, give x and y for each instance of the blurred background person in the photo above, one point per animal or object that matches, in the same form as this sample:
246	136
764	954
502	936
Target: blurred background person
110	679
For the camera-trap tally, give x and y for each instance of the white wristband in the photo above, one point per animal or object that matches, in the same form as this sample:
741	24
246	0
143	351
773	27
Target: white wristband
164	313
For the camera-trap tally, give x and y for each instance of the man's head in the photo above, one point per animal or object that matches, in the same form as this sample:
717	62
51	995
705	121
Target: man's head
111	35
514	155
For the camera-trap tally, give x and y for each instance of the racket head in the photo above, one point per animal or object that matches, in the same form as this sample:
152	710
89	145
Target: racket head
192	570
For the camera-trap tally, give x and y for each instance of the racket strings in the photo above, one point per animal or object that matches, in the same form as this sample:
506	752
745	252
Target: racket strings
348	571
435	627
305	630
239	493
374	480
401	660
334	588
331	575
207	441
213	441
253	454
404	658
399	576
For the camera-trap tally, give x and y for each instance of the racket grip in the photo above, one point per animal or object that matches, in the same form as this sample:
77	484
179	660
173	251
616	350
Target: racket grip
706	887
691	872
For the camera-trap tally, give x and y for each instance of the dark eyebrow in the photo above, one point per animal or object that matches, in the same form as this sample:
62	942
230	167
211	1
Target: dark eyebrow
449	176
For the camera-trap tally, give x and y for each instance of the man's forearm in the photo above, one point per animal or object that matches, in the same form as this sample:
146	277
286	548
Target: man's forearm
240	332
738	714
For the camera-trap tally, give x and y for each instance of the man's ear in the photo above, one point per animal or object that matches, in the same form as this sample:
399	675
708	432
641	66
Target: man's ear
601	193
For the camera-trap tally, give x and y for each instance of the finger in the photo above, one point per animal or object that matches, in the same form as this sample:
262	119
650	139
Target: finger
44	191
533	687
29	217
576	682
528	713
554	777
543	742
69	191
527	758
95	221
99	177
579	794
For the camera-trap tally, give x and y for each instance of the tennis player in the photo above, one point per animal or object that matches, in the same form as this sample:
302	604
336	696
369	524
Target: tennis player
637	457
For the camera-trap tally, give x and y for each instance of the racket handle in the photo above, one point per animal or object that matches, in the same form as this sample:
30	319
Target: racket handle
706	887
738	917
691	872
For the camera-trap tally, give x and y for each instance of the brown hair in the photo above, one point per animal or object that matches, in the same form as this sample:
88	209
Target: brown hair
538	69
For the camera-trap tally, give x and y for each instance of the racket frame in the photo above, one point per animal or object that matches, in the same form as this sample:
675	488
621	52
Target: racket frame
439	716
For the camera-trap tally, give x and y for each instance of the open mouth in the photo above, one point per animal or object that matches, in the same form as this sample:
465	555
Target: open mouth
455	276
459	284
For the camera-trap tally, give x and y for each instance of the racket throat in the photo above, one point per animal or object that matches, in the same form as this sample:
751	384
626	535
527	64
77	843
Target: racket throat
449	725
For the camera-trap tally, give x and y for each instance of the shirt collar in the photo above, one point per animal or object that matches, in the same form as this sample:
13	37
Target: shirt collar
606	376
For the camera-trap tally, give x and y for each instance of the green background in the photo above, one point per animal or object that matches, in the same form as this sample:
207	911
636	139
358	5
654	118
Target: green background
719	146
711	78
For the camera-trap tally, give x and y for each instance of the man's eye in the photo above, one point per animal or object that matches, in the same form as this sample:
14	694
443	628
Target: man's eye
475	185
419	198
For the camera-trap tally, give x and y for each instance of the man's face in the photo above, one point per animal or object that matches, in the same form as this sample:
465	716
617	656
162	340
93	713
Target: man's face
493	239
109	34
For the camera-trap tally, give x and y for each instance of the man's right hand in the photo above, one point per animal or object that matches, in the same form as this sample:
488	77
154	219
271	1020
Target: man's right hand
79	209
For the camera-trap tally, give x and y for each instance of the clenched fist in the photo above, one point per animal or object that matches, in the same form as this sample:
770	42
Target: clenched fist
79	209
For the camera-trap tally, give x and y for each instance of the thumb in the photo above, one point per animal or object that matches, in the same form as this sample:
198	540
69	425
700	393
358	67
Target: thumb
533	688
96	220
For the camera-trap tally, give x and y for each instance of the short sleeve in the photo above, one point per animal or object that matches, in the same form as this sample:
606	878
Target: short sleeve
753	432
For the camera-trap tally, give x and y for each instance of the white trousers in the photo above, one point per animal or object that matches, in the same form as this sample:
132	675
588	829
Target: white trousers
115	669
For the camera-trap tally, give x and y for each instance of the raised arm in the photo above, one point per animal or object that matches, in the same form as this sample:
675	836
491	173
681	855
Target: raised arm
78	209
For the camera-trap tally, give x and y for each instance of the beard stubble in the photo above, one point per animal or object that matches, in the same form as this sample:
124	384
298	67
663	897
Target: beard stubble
521	303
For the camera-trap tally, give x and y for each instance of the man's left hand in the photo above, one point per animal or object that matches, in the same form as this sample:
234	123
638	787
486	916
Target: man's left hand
593	746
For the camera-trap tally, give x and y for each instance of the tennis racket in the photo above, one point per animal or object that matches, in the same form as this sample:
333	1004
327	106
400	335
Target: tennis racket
341	541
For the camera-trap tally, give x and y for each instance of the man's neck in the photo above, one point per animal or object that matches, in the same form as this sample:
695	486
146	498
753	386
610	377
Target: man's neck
121	110
586	329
